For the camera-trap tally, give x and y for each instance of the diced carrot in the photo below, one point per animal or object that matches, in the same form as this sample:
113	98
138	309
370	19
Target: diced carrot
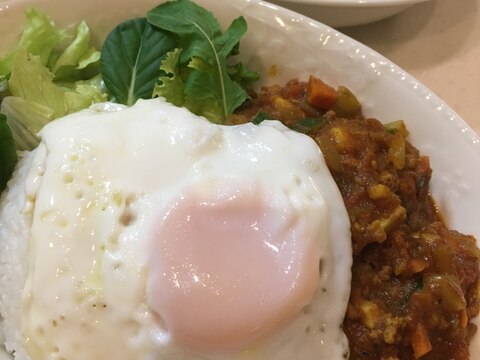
420	341
320	95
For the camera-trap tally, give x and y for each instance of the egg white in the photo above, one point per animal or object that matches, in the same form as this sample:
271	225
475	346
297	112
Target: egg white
94	187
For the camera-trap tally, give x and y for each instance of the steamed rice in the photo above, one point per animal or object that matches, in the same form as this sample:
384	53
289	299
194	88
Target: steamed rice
14	225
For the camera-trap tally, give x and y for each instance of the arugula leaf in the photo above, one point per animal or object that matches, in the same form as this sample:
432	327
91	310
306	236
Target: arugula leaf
205	50
228	42
210	90
195	27
131	57
242	75
8	154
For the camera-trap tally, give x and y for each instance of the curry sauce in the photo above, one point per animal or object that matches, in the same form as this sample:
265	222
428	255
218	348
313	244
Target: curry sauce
415	283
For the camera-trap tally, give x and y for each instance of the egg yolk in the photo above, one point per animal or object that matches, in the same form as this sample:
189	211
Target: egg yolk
228	266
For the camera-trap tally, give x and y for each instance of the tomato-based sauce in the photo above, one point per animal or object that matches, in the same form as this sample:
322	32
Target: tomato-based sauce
415	283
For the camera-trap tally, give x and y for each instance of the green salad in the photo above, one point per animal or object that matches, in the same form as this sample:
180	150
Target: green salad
177	51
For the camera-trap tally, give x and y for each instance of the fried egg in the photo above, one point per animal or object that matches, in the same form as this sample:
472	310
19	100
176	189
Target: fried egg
155	234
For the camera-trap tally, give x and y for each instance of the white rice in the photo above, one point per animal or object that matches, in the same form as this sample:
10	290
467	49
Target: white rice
14	229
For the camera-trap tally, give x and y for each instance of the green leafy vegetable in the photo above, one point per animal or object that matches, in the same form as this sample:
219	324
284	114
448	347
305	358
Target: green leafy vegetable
131	59
93	88
26	119
8	154
260	117
33	82
202	66
308	125
172	85
39	37
36	99
49	74
3	86
242	75
77	56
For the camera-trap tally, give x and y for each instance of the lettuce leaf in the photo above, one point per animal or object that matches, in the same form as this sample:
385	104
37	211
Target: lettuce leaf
171	86
26	119
93	88
8	154
49	74
77	56
36	99
39	37
33	82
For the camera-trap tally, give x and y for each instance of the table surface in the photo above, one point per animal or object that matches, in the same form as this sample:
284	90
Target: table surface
438	42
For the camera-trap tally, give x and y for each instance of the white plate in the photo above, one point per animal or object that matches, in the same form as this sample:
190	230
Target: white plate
299	46
340	13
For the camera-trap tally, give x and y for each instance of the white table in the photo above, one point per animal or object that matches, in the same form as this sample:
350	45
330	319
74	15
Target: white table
438	42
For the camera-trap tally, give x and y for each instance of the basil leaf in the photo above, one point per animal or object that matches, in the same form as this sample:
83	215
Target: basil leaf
8	154
131	57
205	51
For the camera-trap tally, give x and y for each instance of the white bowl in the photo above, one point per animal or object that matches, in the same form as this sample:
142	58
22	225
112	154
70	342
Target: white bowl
299	46
340	13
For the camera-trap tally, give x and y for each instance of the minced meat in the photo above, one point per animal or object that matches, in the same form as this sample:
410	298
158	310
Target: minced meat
415	283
